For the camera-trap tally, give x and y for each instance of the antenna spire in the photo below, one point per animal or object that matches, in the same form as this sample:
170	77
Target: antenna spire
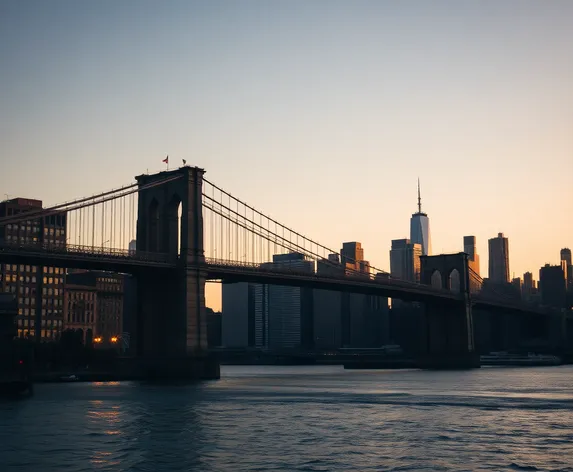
419	198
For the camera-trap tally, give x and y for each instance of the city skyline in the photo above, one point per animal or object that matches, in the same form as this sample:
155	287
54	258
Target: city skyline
208	88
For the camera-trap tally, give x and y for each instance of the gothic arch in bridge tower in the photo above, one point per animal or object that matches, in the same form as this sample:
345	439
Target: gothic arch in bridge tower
436	279
163	197
452	270
172	226
153	226
454	280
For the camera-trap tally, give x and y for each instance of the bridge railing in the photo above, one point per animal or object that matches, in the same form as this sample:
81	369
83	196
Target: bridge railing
285	268
84	251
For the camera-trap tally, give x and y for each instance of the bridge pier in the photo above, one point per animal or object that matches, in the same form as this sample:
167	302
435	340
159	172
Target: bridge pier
449	324
172	326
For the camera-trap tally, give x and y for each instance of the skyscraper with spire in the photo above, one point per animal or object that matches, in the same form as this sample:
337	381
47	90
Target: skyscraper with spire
420	228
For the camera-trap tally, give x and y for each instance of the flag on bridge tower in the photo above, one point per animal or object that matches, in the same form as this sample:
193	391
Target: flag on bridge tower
166	160
184	162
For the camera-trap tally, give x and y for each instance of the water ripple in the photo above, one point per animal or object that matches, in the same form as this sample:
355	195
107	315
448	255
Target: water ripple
299	419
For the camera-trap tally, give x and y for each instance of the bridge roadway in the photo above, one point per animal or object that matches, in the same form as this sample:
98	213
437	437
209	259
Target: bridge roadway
132	262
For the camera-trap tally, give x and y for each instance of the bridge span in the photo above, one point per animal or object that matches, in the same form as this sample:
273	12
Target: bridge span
187	230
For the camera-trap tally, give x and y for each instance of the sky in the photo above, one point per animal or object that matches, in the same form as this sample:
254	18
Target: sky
321	114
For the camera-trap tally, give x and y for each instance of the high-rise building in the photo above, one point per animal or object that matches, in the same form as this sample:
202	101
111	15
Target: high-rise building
566	256
471	250
528	287
236	314
552	284
420	228
290	310
327	308
352	257
498	259
39	289
405	260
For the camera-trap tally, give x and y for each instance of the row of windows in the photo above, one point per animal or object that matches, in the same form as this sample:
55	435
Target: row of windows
81	295
83	317
27	279
45	311
45	333
45	323
25	227
28	268
81	305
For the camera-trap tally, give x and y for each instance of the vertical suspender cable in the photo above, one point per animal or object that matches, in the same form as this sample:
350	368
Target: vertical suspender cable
93	226
102	224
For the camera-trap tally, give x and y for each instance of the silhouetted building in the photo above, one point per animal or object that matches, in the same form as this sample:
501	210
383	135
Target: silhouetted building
405	260
109	288
214	326
471	250
529	287
327	308
566	257
473	262
129	315
39	289
8	313
352	257
237	314
420	228
80	309
290	309
552	284
499	259
516	282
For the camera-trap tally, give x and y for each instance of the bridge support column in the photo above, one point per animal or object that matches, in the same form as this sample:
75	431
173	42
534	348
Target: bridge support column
449	336
172	337
449	323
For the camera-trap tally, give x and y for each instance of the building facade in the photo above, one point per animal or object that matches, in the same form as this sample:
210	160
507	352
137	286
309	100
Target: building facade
39	289
552	284
80	309
290	309
109	290
405	260
237	312
498	259
566	258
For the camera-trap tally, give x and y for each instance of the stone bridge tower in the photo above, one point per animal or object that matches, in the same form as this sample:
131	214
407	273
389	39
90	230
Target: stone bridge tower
449	323
171	327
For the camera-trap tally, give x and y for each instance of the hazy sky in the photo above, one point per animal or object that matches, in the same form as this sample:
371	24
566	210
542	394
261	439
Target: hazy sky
321	113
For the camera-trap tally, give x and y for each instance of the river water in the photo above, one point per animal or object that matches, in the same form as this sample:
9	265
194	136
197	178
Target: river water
307	418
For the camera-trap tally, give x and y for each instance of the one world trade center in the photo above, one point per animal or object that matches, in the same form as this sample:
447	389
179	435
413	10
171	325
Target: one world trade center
420	228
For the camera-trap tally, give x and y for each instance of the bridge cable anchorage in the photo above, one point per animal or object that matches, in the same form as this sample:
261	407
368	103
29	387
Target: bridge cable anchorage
82	202
284	228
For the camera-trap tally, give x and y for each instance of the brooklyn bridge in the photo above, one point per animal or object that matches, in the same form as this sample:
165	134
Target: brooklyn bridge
187	231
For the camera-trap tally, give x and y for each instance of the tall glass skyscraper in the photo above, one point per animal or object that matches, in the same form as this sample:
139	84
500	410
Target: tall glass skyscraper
420	228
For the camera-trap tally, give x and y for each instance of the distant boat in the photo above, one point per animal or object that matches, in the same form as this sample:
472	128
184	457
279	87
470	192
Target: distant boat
529	359
69	378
